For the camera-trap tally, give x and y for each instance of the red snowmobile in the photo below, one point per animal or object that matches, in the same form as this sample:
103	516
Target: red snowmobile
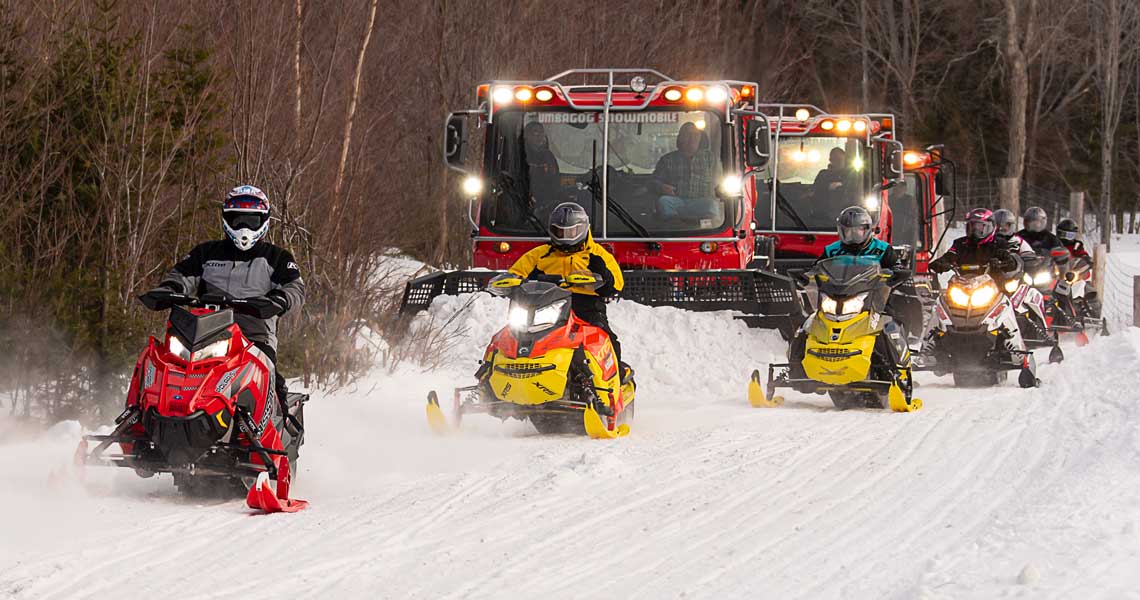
203	407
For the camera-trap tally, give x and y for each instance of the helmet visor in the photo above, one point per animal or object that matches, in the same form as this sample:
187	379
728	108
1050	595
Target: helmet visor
1035	225
568	235
979	230
244	220
854	234
1068	236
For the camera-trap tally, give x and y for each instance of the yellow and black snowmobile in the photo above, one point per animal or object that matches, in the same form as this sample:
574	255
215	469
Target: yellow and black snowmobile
547	366
848	348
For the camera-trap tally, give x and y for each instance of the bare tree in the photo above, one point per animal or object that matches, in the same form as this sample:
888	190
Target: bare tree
1114	52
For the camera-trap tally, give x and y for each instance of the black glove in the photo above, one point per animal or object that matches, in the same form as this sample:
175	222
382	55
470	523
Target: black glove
997	264
939	265
161	298
279	298
261	307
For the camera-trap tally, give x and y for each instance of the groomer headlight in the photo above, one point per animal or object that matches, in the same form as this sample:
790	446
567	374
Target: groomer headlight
731	185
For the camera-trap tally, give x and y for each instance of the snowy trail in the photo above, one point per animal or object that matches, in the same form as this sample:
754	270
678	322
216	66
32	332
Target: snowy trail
708	498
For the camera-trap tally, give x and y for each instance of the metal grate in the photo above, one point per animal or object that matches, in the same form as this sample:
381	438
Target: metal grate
750	291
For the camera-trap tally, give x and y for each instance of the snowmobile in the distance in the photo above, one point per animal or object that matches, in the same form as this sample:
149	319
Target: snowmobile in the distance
849	351
202	406
546	366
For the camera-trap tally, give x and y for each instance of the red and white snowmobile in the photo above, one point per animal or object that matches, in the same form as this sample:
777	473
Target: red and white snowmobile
203	407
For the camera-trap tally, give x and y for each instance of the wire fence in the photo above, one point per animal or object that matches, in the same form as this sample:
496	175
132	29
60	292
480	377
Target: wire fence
985	193
1117	303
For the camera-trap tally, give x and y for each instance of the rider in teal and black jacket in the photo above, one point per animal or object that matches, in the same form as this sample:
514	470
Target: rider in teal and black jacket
855	226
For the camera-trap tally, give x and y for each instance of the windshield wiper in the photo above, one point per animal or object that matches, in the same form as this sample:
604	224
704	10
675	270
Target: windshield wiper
783	204
618	210
507	185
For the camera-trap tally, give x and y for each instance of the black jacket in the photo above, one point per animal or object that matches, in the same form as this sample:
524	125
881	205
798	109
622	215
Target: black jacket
219	266
1042	242
966	251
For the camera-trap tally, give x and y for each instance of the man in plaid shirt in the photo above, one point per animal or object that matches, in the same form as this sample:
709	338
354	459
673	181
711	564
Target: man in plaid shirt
686	179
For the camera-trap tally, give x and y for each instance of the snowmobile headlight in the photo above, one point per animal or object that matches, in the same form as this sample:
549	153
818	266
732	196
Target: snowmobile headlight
1043	278
828	305
177	348
217	349
958	297
1011	286
983	296
518	317
854	305
547	315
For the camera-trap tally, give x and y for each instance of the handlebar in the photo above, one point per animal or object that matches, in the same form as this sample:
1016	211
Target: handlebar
160	299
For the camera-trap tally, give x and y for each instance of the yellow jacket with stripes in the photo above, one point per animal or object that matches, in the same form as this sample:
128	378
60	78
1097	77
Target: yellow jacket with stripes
545	260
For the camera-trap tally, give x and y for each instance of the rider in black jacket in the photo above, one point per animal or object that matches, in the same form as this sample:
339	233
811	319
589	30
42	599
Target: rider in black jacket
980	246
241	267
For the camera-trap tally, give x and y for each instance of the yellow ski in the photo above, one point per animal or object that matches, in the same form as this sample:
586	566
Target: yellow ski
596	428
756	396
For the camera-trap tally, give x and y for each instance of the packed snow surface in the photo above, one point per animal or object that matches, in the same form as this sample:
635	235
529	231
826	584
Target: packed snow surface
987	493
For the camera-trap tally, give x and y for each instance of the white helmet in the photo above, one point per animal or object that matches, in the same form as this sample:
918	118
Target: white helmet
245	216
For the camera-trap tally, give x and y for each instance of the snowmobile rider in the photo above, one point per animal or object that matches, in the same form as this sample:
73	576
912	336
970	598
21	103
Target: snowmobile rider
1007	230
855	228
1039	236
572	249
1067	232
980	246
244	267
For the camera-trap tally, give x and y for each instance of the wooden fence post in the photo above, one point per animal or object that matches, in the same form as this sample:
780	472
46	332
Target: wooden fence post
1100	257
1077	209
1136	301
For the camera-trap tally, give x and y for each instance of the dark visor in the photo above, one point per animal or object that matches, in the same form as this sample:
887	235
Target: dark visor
244	220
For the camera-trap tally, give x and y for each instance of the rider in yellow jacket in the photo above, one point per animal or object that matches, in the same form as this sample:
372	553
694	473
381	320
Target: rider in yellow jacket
572	249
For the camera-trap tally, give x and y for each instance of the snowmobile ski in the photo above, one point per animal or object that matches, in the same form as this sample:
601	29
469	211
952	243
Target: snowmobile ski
437	422
756	396
596	428
262	497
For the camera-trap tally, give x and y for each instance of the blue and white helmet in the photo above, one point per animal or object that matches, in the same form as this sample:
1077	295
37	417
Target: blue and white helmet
245	216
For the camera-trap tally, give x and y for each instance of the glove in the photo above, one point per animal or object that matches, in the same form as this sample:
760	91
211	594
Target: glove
939	266
160	298
164	297
261	307
279	298
997	264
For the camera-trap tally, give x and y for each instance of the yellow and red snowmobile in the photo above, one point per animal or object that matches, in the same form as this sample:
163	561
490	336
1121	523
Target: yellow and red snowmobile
546	366
848	348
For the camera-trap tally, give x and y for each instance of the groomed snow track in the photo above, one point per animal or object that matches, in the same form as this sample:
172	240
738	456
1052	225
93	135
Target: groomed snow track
982	494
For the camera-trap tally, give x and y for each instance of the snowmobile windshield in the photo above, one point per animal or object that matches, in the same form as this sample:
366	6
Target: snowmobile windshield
537	306
665	171
815	178
848	275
